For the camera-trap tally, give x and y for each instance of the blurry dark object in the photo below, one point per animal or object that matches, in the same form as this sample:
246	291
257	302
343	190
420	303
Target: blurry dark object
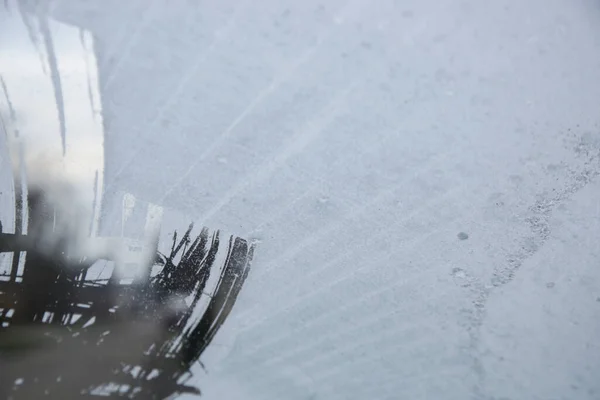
64	334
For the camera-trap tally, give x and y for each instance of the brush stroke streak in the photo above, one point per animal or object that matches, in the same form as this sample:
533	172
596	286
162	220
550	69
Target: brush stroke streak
112	327
56	82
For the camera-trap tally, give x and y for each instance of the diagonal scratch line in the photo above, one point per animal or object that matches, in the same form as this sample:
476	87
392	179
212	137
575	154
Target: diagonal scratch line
408	282
126	50
287	73
265	93
327	266
411	244
11	109
352	214
56	81
395	283
275	215
396	349
317	181
294	146
199	60
184	81
33	35
84	37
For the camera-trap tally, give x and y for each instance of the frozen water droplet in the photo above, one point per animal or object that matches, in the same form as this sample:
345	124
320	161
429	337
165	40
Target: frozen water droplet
462	236
458	272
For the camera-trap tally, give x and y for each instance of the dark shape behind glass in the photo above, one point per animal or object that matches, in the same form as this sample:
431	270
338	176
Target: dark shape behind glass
65	333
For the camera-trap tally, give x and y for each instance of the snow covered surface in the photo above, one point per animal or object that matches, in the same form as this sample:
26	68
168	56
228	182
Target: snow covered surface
421	178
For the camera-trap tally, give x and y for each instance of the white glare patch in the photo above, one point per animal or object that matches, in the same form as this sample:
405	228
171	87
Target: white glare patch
47	317
153	374
90	322
75	318
135	371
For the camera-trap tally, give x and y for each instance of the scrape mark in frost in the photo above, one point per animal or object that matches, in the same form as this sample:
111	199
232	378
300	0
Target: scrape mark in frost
33	35
86	52
93	222
11	110
56	81
296	144
538	220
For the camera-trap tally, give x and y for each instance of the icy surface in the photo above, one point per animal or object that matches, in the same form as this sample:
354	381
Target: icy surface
421	178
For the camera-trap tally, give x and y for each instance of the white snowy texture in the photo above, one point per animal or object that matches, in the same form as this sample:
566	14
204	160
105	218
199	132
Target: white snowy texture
356	142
